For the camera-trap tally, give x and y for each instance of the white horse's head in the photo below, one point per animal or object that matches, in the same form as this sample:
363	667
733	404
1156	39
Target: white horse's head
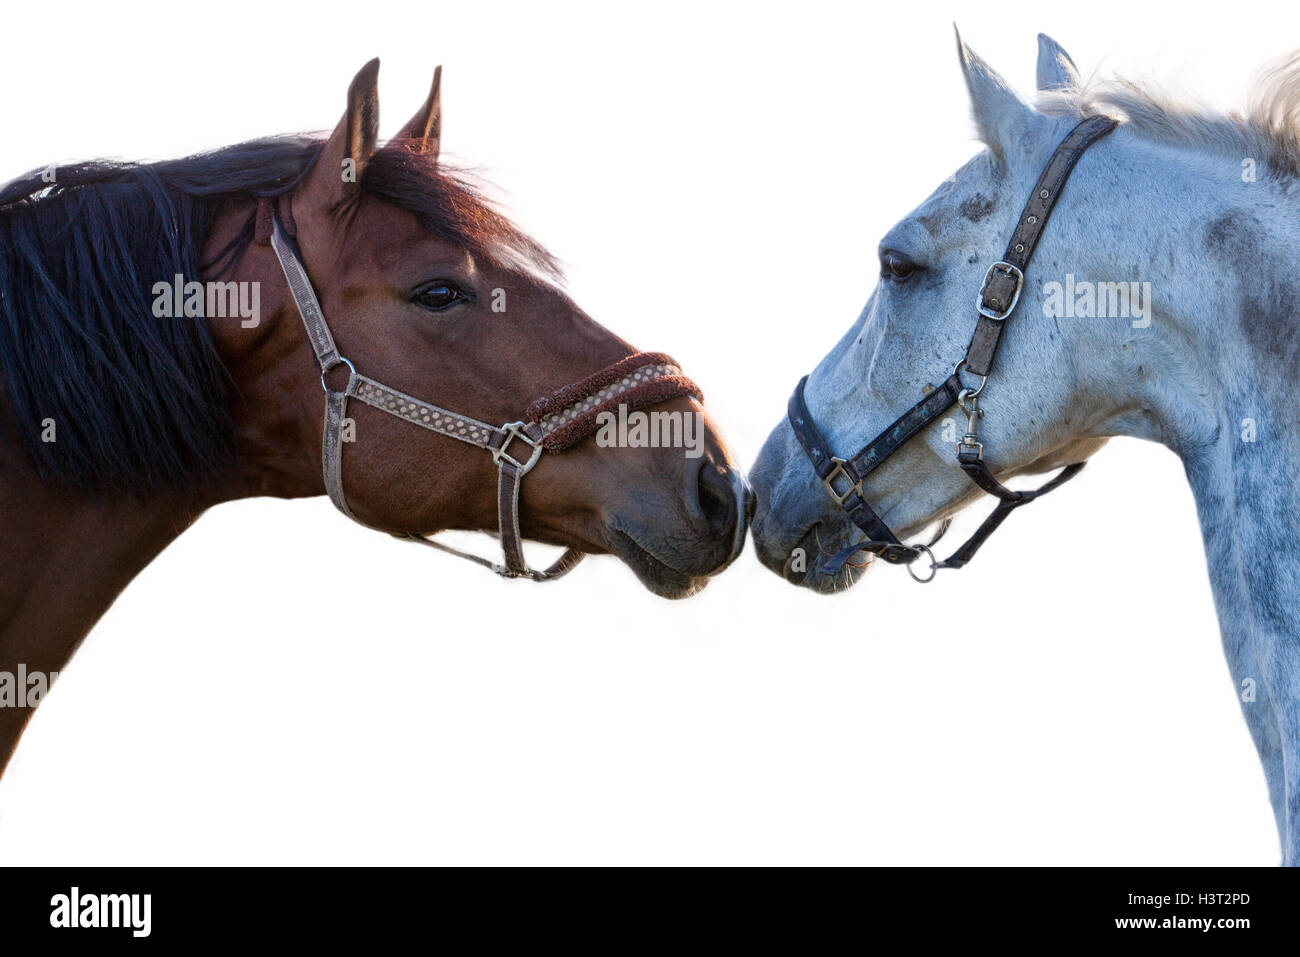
1062	382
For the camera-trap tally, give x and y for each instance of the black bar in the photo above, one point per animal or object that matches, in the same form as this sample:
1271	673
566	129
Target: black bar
216	906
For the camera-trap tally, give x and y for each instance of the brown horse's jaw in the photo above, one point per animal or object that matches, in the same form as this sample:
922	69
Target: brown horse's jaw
656	575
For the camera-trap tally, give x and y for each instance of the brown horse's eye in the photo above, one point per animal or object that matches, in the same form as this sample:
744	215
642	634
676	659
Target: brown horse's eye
440	295
896	265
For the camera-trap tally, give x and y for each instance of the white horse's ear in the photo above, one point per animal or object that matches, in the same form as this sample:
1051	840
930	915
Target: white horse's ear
1001	117
1056	71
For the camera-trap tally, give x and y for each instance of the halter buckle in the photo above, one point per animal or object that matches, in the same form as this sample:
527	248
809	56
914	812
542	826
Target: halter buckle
997	311
512	431
839	472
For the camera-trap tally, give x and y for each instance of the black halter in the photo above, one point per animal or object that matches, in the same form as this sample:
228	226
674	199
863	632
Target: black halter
997	299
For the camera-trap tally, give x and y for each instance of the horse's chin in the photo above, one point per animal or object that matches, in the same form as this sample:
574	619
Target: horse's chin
656	575
802	564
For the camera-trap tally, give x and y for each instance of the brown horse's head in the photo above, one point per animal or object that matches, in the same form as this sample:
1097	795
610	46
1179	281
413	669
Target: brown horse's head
429	290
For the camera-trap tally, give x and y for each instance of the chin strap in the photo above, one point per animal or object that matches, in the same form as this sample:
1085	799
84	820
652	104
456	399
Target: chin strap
841	480
554	423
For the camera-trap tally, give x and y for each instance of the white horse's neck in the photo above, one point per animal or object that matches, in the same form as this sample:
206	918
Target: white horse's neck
1214	378
1248	502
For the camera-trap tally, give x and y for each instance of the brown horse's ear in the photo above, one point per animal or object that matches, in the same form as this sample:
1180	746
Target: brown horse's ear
424	131
345	154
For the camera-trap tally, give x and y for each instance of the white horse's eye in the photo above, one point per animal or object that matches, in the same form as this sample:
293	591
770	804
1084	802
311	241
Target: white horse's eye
896	265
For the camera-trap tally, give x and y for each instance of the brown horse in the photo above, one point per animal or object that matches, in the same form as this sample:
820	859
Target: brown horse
120	427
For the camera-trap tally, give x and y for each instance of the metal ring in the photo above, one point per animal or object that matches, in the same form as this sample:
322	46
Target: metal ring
324	372
934	566
973	393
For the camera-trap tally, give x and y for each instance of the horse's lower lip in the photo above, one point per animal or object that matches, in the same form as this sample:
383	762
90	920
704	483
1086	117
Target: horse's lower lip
812	552
660	577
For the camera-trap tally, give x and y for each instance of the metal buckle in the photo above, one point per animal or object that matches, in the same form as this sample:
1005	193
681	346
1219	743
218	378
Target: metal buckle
839	471
515	430
1012	271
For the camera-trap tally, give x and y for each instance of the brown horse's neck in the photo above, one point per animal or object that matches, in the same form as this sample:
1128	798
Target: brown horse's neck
65	560
270	364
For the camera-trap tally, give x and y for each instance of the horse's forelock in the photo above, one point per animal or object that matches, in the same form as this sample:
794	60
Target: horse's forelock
450	204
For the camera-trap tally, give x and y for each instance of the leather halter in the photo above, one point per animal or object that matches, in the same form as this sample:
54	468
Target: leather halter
997	299
552	423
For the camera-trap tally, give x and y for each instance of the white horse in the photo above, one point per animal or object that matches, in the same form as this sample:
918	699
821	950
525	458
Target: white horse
1203	208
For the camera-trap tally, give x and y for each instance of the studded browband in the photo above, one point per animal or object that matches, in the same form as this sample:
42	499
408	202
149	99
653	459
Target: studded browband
553	423
997	299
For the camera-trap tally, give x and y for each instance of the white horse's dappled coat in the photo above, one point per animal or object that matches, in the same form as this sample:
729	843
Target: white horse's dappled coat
1204	359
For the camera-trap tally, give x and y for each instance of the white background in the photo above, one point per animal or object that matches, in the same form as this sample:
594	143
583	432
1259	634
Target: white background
717	178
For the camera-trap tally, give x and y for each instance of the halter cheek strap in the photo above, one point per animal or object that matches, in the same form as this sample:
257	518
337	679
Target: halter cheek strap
997	299
553	423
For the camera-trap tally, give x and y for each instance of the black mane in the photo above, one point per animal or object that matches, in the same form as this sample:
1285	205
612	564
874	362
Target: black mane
139	404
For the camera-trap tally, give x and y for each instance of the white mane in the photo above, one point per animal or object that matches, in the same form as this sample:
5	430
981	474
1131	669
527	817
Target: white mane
1268	130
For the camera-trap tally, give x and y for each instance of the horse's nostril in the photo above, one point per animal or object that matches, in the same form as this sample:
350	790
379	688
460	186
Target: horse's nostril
717	498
